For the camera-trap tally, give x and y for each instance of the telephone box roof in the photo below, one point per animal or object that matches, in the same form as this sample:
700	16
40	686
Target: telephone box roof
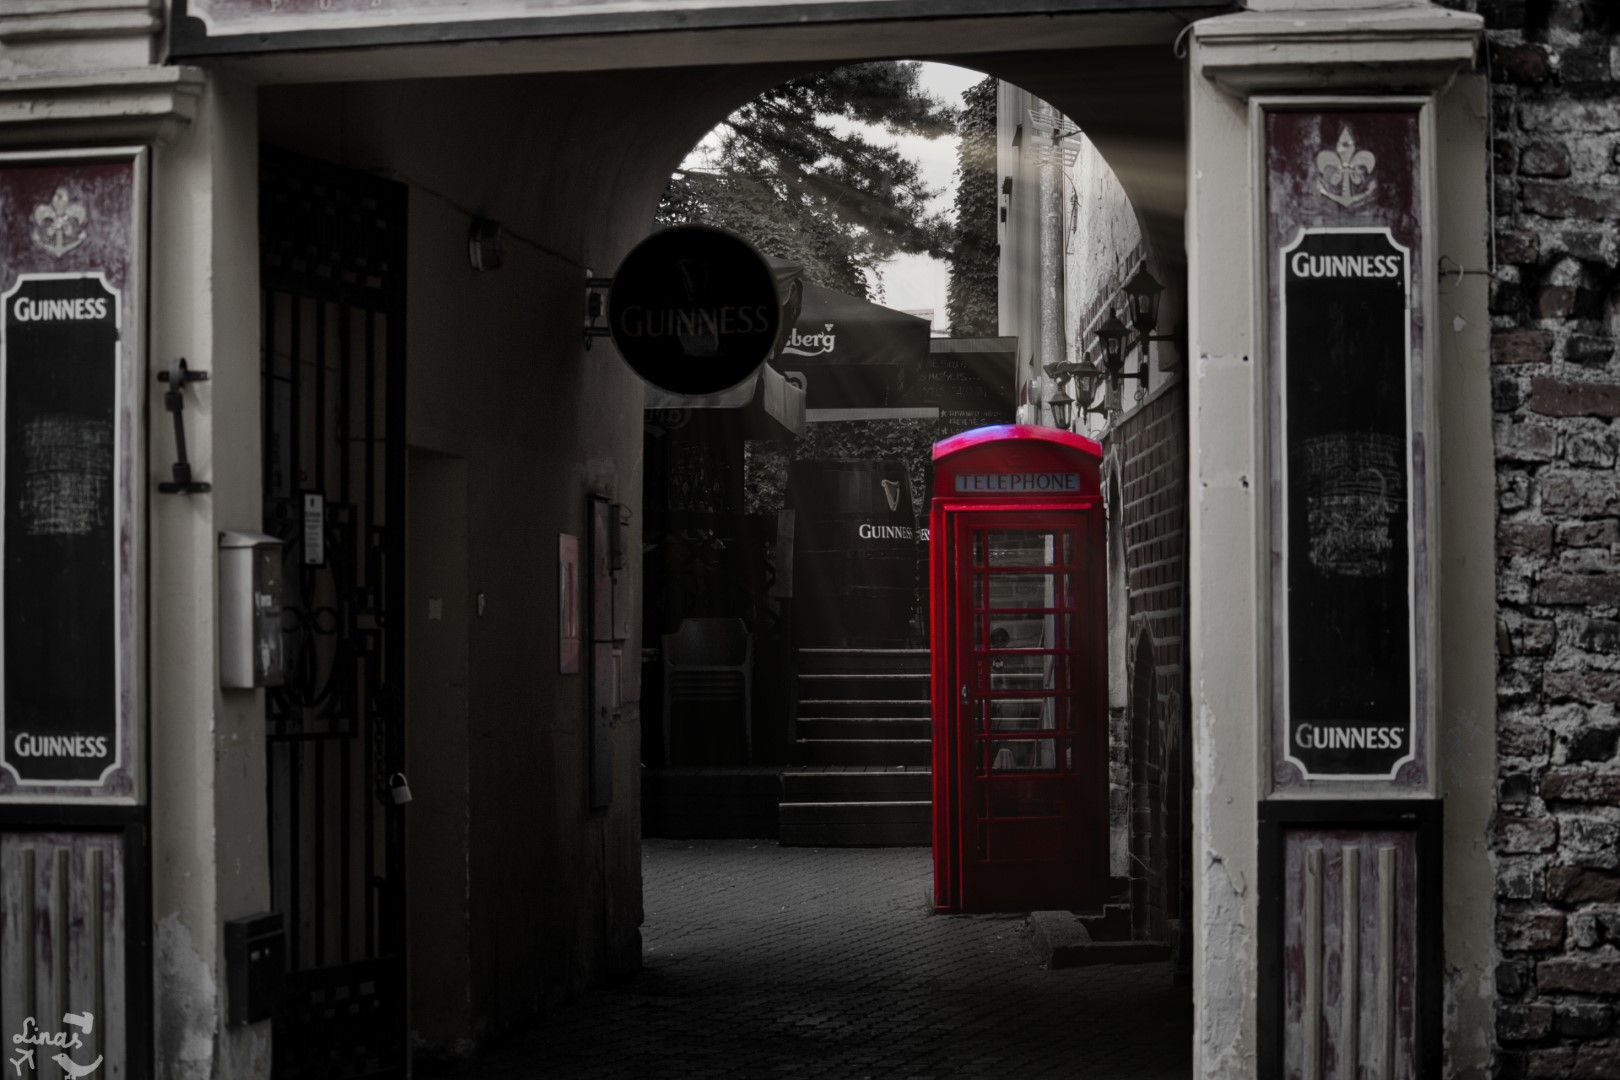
1008	432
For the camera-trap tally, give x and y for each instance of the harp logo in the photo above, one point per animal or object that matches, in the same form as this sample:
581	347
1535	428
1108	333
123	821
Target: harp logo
891	492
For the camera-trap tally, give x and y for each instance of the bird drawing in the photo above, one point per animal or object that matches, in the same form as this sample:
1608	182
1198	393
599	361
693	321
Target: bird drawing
73	1068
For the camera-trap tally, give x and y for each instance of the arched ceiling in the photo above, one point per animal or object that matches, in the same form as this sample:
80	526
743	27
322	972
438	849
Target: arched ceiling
600	140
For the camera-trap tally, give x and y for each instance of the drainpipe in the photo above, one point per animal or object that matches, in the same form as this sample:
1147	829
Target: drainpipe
1051	345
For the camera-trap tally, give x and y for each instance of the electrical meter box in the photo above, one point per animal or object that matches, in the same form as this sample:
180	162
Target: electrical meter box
250	649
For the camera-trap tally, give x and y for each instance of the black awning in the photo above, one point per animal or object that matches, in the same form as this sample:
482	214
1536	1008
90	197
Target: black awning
850	352
838	330
768	406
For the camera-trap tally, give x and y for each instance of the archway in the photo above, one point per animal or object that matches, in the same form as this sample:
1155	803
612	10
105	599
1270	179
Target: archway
575	189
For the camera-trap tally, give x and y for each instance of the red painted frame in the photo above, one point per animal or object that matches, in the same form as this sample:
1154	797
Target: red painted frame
961	883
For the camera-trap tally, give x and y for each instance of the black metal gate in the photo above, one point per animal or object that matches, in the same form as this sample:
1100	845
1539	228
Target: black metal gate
332	244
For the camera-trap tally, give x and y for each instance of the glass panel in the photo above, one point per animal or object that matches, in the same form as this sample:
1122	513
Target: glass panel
1024	755
1021	547
1071	583
1022	590
1023	632
1068	752
978	590
1023	714
1023	672
1068	548
978	548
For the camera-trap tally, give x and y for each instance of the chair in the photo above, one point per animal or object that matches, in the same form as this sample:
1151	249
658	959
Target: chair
710	660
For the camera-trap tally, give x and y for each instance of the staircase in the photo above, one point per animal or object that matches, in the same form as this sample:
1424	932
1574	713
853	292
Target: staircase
861	750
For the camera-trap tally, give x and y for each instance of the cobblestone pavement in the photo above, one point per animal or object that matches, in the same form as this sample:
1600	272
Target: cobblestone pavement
763	961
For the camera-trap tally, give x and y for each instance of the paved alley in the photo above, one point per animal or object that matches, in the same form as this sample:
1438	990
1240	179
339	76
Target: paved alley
762	961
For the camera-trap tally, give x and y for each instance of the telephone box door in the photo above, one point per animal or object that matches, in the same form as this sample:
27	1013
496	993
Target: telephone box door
1029	739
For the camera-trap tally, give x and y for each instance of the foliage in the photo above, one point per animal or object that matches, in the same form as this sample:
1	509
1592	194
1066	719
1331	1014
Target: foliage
795	172
971	301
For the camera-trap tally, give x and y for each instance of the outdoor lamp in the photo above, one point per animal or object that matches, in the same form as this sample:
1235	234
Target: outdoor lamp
1062	408
1111	335
1143	290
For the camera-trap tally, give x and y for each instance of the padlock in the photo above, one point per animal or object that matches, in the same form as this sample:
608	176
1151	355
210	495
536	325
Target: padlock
401	788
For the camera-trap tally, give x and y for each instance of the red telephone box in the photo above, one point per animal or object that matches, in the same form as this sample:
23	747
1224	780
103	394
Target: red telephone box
1019	650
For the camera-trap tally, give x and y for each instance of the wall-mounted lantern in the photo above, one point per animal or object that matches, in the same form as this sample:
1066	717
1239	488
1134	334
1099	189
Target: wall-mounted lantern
1114	337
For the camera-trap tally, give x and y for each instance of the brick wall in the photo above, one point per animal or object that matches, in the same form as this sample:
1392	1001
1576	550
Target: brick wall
1149	448
1555	75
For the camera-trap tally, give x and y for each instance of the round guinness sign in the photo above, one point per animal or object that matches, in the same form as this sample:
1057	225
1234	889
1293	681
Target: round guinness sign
694	310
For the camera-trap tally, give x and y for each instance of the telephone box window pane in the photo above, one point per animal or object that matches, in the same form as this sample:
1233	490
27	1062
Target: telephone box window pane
978	549
1023	590
1068	549
1023	714
1024	755
978	590
1022	632
1068	750
1021	547
1023	671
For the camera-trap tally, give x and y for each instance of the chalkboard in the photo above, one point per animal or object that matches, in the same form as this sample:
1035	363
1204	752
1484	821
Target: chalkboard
1346	327
971	381
61	584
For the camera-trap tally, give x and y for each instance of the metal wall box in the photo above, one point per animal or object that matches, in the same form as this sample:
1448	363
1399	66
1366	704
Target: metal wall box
255	965
250	651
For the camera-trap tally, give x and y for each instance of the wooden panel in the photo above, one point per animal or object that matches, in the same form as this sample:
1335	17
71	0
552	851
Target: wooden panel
1350	954
62	950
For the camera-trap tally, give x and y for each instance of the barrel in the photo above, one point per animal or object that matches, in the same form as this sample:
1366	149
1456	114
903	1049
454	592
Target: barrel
855	553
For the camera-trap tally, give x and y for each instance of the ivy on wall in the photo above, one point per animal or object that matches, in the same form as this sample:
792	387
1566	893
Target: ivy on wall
971	298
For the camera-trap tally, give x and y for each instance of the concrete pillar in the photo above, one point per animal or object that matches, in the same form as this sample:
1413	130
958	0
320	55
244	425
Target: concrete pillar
207	744
1304	58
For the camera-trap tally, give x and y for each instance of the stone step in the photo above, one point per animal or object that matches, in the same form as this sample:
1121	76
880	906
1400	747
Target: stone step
857	783
1060	939
866	686
855	824
862	751
1113	924
856	708
812	660
865	727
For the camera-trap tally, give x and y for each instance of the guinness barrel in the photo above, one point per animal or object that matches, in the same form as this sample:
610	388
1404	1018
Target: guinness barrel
854	553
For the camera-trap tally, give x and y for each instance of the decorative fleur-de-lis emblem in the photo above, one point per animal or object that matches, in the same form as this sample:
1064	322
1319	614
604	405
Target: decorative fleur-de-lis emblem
1344	169
61	224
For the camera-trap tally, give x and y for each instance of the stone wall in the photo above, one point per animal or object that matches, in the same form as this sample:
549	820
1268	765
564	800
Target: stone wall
1555	75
